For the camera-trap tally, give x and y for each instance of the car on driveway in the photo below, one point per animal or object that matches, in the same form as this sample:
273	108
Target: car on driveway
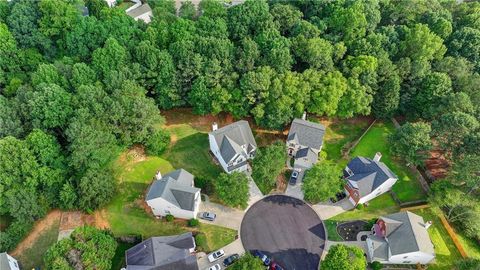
266	261
275	266
230	260
293	178
216	255
214	267
208	216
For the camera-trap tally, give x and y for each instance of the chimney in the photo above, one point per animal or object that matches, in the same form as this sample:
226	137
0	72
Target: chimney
428	224
377	156
158	175
304	116
214	126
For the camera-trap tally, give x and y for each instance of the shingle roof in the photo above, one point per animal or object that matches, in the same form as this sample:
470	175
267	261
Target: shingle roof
368	174
4	265
163	253
176	188
145	8
408	233
306	133
305	158
232	137
380	248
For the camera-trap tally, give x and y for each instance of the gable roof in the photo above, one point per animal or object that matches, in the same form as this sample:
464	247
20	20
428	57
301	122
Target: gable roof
232	137
408	233
305	158
306	133
368	174
380	248
145	8
163	253
175	187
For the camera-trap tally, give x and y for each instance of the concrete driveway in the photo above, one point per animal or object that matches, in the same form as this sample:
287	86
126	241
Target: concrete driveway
226	216
287	230
327	210
230	249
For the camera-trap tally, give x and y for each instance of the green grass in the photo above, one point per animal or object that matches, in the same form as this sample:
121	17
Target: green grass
471	246
33	256
446	254
118	260
381	205
125	5
331	226
407	187
133	181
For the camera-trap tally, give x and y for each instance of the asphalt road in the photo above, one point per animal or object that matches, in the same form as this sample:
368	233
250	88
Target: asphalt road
285	229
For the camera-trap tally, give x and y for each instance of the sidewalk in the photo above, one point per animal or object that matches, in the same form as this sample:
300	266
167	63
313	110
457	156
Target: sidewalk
254	192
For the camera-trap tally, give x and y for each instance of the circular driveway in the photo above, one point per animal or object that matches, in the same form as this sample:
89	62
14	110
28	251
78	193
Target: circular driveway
285	229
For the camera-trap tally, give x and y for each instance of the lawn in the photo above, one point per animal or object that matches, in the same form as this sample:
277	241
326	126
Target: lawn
134	178
33	256
331	226
407	187
445	251
381	205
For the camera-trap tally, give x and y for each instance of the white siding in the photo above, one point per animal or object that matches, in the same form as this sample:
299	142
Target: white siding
411	258
216	151
386	186
161	207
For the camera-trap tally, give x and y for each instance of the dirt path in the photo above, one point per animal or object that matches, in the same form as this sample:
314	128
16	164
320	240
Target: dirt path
37	230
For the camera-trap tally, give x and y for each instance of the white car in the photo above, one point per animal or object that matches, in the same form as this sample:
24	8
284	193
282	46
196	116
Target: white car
216	255
215	267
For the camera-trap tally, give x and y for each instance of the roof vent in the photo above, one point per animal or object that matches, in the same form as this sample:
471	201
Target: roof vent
377	157
214	126
428	224
158	175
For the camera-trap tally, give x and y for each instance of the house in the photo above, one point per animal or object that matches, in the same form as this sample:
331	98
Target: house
304	142
163	253
7	262
174	194
366	179
400	238
142	12
233	145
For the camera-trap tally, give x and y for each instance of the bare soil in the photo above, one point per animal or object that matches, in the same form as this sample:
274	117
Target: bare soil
437	164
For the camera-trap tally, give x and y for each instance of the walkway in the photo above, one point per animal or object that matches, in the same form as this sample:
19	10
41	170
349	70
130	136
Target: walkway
254	192
327	210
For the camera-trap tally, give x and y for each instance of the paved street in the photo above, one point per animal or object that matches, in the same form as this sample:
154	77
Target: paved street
287	230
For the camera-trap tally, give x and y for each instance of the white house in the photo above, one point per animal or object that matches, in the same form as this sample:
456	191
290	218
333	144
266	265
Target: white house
7	262
141	12
174	194
233	145
366	179
400	238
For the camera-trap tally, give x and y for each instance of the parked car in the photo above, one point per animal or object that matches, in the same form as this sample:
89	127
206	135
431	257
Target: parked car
293	178
208	216
263	257
216	255
230	259
215	267
275	266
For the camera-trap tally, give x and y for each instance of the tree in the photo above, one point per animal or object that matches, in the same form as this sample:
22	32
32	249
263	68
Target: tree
466	173
187	10
467	264
420	44
434	88
285	17
341	257
95	188
317	52
111	57
326	90
10	120
322	182
411	142
57	18
46	149
248	262
85	37
87	247
236	181
50	106
451	128
465	42
267	165
158	142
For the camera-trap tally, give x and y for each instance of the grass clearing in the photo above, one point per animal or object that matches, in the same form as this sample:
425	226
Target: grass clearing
32	257
331	226
381	205
471	246
446	254
407	187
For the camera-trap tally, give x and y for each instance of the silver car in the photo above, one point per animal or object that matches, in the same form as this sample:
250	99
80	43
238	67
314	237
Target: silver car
208	216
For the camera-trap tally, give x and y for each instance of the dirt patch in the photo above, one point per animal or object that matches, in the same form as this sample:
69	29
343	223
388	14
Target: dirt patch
73	219
281	184
200	122
101	220
39	227
133	155
437	164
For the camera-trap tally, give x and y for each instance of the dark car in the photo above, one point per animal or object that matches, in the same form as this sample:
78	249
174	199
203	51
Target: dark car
230	259
275	266
293	178
266	261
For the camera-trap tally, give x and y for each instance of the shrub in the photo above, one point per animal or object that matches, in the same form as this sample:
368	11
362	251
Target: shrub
158	142
193	222
15	232
169	218
201	242
376	265
232	189
360	206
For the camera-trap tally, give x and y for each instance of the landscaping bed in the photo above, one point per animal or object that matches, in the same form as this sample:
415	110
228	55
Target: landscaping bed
348	231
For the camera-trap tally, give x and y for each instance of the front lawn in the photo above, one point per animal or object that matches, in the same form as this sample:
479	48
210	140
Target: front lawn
446	254
381	205
32	257
331	226
127	215
407	187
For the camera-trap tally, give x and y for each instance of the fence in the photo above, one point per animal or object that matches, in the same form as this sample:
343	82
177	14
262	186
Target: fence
453	235
349	146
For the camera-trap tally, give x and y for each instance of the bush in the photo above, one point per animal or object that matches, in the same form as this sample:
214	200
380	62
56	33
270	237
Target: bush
360	206
376	265
158	142
201	242
232	189
267	165
169	218
370	224
15	232
193	222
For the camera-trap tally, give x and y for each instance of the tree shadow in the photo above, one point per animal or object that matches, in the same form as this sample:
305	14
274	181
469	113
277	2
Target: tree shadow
284	200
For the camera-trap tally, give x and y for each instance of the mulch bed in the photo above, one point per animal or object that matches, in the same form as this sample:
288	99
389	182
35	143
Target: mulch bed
349	230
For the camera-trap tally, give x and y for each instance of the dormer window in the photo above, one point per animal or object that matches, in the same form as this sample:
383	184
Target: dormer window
350	173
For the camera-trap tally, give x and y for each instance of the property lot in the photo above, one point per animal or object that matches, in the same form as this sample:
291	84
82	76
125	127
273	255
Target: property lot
286	229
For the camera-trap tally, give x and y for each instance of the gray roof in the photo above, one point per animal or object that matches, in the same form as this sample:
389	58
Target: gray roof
305	158
176	188
231	138
145	8
163	253
380	248
408	233
4	265
368	174
306	133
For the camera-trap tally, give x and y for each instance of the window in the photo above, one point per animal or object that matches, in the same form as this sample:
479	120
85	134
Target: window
405	257
406	262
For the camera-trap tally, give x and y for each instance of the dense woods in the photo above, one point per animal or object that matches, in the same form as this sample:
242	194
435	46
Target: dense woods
75	90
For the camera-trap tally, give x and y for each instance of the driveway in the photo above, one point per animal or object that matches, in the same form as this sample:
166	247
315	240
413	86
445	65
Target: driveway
254	192
232	248
287	230
327	210
226	216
